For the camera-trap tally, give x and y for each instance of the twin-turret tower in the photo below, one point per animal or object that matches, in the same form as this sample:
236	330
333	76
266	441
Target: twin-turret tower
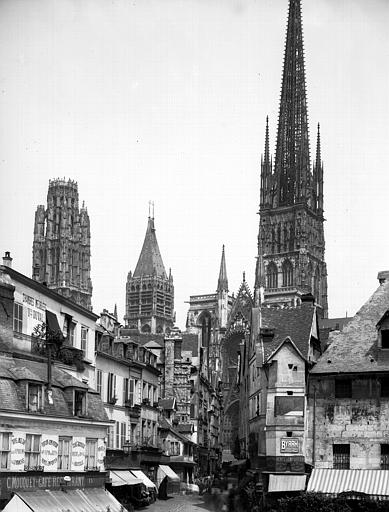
291	228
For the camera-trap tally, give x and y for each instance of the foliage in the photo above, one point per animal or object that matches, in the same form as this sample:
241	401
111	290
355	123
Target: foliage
42	336
311	502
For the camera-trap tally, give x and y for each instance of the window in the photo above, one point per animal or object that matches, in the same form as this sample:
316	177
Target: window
5	450
343	388
384	456
341	454
32	451
34	397
272	275
72	334
131	392
174	448
110	437
111	390
79	403
384	338
18	317
84	339
123	434
125	390
287	273
64	453
90	454
99	381
117	425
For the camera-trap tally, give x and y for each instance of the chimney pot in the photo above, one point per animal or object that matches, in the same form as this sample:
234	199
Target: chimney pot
383	276
7	260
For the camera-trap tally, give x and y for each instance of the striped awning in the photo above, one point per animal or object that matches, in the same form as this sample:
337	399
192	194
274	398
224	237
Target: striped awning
286	483
372	482
120	478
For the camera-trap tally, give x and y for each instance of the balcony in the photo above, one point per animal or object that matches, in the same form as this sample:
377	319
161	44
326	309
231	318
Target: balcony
67	354
134	411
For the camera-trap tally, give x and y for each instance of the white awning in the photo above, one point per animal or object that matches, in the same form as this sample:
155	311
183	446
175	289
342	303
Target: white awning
123	478
145	479
286	483
76	500
372	482
169	472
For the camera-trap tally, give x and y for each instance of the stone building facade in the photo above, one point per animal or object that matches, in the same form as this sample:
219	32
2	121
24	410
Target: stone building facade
61	248
291	227
150	290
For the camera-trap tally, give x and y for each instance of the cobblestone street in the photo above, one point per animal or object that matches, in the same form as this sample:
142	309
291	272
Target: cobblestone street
189	503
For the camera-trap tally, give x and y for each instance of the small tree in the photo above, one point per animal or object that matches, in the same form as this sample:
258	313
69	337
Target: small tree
47	342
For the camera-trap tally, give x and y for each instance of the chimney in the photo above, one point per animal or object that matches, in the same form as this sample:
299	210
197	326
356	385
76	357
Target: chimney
307	299
383	276
7	260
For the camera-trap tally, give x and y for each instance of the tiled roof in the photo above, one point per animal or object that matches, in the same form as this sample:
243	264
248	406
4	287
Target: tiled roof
150	260
354	349
295	323
12	389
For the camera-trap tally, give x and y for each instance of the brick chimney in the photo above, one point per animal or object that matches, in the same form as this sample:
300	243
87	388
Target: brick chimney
383	276
7	260
6	313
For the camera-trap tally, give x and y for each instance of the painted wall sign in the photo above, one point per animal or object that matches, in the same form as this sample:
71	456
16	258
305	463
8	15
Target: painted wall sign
49	452
101	449
290	445
18	443
78	454
35	312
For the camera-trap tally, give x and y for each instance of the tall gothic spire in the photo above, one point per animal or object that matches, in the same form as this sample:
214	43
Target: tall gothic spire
266	171
292	160
222	283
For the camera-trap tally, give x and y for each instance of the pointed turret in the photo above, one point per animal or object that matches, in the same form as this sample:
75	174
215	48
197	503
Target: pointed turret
115	311
318	173
292	161
150	260
222	283
266	171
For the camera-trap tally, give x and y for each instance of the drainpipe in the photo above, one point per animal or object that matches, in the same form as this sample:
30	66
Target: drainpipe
314	427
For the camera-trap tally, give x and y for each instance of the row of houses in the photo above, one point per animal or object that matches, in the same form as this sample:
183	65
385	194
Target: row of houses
81	395
310	407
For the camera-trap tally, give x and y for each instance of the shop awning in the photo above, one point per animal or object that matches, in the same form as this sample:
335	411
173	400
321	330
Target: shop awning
123	478
372	482
169	472
76	500
286	483
52	323
145	479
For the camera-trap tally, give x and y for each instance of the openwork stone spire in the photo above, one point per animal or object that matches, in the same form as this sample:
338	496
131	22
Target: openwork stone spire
292	160
222	283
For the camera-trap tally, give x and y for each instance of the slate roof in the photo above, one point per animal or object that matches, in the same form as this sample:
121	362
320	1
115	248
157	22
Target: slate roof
13	373
354	349
150	260
165	425
295	323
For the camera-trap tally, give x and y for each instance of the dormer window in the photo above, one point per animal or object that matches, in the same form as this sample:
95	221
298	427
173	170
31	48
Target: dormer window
79	403
384	338
34	397
383	331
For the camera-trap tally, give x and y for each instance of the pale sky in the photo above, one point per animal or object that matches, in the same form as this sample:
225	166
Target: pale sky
166	100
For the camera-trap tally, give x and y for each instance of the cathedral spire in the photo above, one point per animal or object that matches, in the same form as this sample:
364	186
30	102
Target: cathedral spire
222	283
150	260
266	171
318	173
292	160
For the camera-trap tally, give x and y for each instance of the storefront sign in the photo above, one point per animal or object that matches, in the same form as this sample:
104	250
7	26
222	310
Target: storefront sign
290	445
18	442
49	452
78	454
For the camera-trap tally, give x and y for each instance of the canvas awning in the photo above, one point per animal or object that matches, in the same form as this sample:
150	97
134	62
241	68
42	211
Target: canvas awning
76	500
52	323
145	479
286	483
371	482
167	470
120	478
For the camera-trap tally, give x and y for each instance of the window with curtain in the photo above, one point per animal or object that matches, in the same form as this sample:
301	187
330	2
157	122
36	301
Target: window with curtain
64	453
5	449
90	453
32	451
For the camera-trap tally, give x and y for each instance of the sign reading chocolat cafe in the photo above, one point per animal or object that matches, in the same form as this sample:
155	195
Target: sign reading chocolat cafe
12	482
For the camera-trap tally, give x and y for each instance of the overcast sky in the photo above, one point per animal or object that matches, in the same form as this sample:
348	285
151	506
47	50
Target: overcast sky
166	100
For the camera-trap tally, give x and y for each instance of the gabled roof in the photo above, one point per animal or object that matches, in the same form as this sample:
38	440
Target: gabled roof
354	349
150	260
294	323
243	304
286	340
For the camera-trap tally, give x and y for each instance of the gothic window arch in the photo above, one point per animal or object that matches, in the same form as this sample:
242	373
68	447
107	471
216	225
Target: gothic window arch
272	275
146	328
287	273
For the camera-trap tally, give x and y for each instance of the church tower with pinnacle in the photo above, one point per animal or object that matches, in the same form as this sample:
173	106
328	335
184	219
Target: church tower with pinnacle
149	290
61	248
290	259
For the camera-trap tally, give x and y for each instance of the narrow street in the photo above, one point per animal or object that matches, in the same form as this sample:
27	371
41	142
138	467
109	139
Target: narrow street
178	503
